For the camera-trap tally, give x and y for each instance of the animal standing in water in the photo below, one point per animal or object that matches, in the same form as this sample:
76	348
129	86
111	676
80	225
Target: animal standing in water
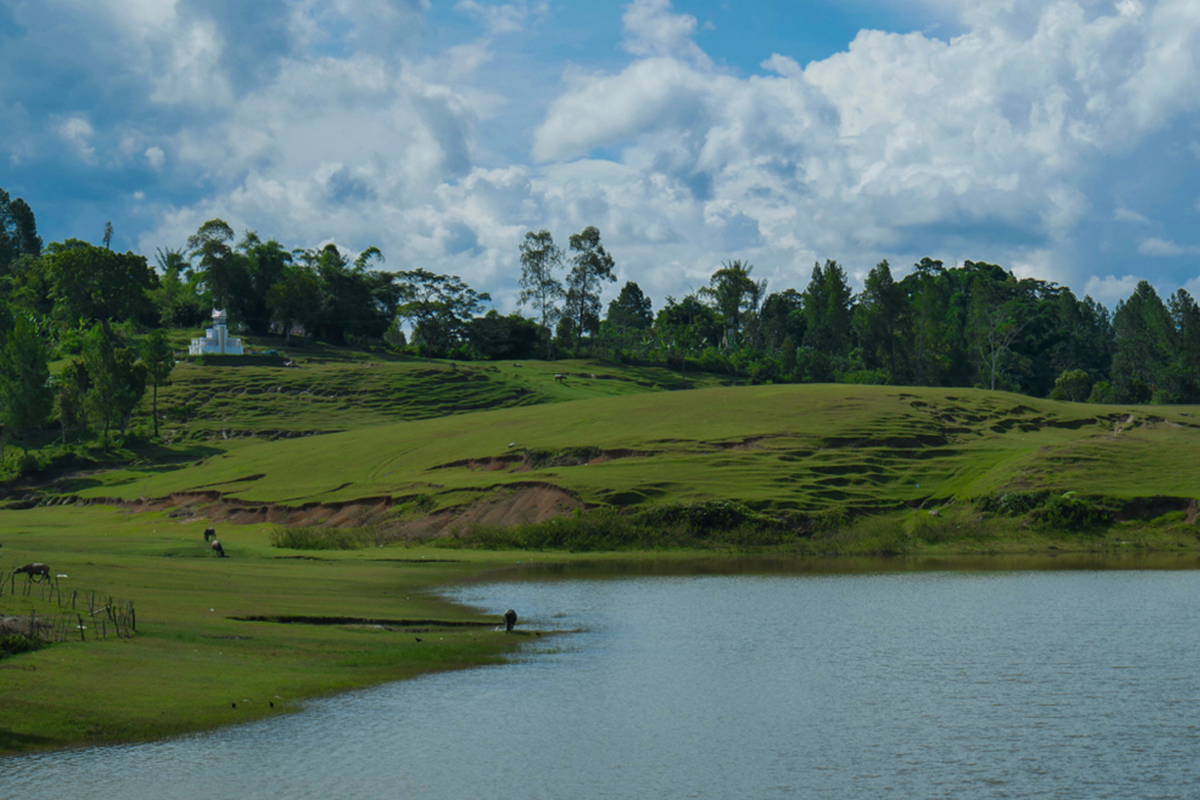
510	620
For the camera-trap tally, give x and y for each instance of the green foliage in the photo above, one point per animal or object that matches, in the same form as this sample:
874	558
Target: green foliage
1070	512
540	259
13	644
498	338
159	360
631	309
1144	331
322	538
704	526
25	394
1066	512
591	266
1012	503
827	309
18	232
1074	385
736	296
439	307
116	381
95	284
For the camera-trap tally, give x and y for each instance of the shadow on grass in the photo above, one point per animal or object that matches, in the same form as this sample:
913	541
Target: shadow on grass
12	742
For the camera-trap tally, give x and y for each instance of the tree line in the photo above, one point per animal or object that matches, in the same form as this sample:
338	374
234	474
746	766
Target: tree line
108	313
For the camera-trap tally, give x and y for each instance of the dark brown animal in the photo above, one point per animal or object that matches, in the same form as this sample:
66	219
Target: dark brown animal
210	534
510	620
218	551
35	572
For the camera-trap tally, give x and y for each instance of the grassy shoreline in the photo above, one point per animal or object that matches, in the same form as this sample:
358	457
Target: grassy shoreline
193	660
420	490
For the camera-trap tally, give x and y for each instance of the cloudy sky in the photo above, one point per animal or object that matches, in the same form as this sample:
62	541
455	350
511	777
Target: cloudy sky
1058	139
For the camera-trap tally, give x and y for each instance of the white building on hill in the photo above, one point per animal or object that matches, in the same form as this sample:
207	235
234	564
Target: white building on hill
217	340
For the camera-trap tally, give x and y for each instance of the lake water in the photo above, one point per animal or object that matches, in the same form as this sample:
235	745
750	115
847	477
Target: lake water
912	684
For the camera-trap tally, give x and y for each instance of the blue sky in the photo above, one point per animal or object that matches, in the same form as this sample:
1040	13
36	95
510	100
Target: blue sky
1058	139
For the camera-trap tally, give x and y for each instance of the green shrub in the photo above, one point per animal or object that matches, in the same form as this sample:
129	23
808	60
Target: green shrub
1069	512
320	538
1012	504
15	643
703	525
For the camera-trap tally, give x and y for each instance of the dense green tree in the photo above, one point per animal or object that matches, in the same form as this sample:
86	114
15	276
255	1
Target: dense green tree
1084	338
926	293
1184	374
631	309
159	360
177	295
827	310
879	321
438	306
1074	385
736	296
782	321
25	394
91	283
1143	330
686	327
18	232
117	381
496	337
357	302
70	390
590	267
295	300
220	268
540	259
261	266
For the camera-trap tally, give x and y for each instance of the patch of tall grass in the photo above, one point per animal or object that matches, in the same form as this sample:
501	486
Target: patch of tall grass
700	526
321	538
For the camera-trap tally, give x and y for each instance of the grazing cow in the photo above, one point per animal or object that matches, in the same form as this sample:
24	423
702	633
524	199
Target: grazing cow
218	551
210	534
510	620
560	377
34	571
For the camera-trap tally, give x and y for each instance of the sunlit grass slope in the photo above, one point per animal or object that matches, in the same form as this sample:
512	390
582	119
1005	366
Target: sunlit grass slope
323	393
801	448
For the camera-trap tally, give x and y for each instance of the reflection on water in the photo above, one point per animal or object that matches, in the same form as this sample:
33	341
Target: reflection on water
930	680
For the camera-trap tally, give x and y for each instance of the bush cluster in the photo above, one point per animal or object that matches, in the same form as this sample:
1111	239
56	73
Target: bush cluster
322	538
702	525
1064	512
14	643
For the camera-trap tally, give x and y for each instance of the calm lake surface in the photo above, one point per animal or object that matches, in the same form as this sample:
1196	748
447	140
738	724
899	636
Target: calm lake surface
1081	683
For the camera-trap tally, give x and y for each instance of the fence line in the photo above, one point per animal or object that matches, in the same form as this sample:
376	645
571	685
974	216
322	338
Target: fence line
83	613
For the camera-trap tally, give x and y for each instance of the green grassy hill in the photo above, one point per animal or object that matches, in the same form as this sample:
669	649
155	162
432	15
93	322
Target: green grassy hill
804	449
334	391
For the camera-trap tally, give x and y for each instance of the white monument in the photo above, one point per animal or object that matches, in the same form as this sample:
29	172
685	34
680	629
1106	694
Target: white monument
217	340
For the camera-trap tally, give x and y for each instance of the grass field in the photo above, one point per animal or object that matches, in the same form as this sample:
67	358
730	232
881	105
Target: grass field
567	455
192	660
804	449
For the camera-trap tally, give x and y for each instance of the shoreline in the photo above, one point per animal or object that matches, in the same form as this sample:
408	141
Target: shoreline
205	656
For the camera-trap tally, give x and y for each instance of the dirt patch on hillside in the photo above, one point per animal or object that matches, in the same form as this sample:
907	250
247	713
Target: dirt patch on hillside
514	504
502	508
